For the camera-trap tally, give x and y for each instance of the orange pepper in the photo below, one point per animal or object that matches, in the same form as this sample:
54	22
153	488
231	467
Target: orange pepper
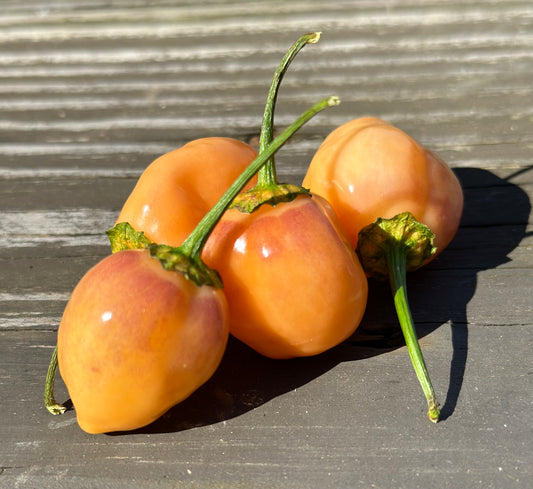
177	189
169	200
136	339
367	169
400	205
294	285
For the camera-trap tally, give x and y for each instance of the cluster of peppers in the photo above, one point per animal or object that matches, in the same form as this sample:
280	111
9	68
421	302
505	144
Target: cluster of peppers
209	243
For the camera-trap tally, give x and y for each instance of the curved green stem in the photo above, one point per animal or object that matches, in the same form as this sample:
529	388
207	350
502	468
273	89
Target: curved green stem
396	259
49	401
267	174
194	244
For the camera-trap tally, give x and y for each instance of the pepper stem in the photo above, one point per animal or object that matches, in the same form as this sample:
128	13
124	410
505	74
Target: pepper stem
396	258
49	400
388	249
193	245
268	190
267	174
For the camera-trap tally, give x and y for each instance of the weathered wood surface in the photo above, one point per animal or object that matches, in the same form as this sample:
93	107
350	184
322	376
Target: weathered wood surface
91	92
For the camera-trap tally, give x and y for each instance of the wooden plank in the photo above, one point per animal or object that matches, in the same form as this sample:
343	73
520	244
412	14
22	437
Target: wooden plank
349	418
125	93
92	92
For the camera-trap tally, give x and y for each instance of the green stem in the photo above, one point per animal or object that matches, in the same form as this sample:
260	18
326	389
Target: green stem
193	245
267	174
49	401
396	258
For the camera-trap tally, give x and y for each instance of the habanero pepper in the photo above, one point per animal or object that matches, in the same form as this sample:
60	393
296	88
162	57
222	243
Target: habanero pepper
145	327
135	339
399	204
293	283
368	168
177	189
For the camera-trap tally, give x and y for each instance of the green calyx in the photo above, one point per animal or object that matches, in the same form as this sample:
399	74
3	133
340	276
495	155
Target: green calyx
193	268
124	237
401	231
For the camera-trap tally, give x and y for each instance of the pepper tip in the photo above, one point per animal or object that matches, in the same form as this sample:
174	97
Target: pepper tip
434	413
315	38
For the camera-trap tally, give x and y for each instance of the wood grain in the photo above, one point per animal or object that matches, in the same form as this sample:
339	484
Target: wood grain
91	92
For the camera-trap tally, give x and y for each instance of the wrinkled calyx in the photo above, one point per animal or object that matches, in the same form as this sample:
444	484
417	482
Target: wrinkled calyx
402	231
194	269
124	237
388	249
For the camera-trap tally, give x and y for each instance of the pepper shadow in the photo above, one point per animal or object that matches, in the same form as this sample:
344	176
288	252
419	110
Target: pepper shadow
439	293
244	381
494	223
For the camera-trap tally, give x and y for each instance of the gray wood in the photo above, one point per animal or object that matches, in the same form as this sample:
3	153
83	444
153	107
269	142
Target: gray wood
92	92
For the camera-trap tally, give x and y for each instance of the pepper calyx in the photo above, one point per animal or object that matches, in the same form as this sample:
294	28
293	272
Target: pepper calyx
404	231
194	269
272	194
125	237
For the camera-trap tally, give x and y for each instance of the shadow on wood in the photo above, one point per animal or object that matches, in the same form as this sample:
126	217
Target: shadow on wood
494	222
500	202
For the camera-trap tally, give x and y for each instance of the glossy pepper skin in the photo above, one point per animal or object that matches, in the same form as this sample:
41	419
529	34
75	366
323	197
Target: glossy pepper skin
294	285
178	188
136	339
368	168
